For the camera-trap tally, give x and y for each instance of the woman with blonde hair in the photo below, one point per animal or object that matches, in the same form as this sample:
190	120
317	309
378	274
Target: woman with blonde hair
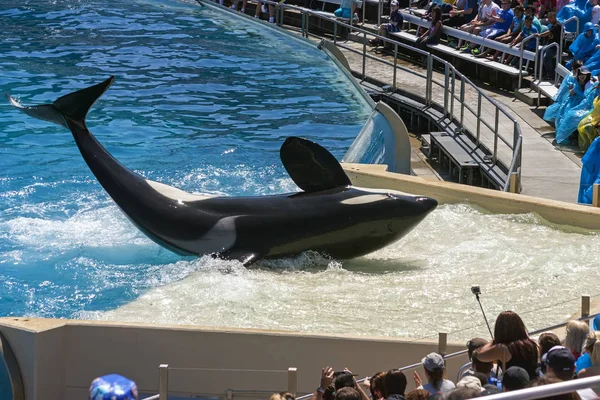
577	332
592	347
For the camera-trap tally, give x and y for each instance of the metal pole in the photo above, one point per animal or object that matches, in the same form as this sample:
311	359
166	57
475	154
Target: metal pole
335	32
462	101
478	116
292	380
496	135
446	85
442	343
364	62
429	79
452	93
163	383
521	63
395	65
585	306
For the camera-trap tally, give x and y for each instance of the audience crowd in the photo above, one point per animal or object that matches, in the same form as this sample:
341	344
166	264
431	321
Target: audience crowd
510	361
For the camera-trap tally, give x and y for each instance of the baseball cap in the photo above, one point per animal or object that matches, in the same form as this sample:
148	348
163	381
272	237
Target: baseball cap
394	3
559	358
515	378
584	70
113	387
432	361
471	382
596	323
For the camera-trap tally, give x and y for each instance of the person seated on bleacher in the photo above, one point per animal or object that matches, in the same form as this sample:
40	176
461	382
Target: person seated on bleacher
461	16
235	4
552	35
346	10
376	385
502	21
486	368
395	24
530	11
481	22
542	8
513	30
515	378
546	341
260	7
432	35
563	93
527	30
113	387
434	367
347	393
585	45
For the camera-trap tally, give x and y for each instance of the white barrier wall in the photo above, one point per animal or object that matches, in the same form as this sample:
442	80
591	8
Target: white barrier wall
59	358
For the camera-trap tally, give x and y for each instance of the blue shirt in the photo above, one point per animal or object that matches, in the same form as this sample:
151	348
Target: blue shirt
518	23
473	5
507	16
526	32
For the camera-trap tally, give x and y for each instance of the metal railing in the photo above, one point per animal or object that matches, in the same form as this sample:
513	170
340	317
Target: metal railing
456	105
543	52
521	50
562	36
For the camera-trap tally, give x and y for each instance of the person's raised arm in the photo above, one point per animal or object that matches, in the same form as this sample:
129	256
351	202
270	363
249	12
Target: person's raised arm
491	352
326	379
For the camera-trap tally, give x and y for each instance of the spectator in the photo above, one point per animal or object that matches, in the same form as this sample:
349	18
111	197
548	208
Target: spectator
511	344
502	21
243	9
546	341
482	21
585	361
395	24
512	32
462	393
527	30
514	378
347	393
347	8
260	7
577	332
471	382
552	35
530	11
584	46
394	385
417	394
576	106
282	396
113	387
485	368
325	390
547	380
563	93
592	346
595	11
561	364
464	15
473	345
432	35
434	367
376	385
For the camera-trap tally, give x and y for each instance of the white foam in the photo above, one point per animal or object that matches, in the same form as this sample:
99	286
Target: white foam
413	288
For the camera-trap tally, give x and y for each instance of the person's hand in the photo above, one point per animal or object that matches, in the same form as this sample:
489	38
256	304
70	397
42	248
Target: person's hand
417	378
511	44
536	35
326	377
350	372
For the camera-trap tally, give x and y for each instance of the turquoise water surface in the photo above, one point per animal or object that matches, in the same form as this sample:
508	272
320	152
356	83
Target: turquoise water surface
202	101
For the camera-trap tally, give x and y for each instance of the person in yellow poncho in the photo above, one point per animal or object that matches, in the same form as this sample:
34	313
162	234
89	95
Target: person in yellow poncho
588	126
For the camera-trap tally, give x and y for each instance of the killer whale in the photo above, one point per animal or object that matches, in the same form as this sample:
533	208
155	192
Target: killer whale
329	215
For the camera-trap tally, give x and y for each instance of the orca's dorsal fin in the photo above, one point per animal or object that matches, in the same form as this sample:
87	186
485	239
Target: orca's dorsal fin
311	166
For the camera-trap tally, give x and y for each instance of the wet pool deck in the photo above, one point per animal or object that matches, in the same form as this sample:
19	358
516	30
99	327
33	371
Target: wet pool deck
547	172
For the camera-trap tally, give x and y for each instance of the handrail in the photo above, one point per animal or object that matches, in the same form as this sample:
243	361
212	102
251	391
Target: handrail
543	52
562	35
521	50
552	390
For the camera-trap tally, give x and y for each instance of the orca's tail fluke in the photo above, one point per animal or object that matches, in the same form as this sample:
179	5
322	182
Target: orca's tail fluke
73	105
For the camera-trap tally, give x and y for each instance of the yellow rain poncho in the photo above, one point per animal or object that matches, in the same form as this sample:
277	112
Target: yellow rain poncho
587	126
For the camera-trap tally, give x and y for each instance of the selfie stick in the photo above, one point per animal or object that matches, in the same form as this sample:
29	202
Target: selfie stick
484	317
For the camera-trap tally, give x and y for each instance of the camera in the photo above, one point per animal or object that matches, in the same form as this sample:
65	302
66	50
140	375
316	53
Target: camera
475	290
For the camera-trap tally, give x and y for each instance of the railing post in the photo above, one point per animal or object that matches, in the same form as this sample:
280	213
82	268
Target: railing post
364	56
429	79
514	182
395	66
596	195
478	116
292	380
585	307
335	33
496	135
462	101
446	85
452	93
163	383
442	343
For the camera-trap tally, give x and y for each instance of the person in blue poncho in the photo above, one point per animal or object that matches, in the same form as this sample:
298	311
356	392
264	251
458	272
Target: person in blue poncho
574	98
584	46
590	172
567	123
563	93
113	387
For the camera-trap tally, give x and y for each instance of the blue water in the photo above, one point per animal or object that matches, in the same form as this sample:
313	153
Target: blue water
202	101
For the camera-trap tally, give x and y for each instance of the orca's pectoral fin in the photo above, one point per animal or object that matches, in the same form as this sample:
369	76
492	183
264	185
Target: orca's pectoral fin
74	105
311	166
243	256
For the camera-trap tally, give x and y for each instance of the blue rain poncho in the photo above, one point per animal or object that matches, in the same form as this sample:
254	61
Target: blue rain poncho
580	9
590	172
583	47
567	123
561	97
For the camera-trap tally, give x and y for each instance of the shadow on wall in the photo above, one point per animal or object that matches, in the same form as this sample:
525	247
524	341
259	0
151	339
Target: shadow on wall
5	388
